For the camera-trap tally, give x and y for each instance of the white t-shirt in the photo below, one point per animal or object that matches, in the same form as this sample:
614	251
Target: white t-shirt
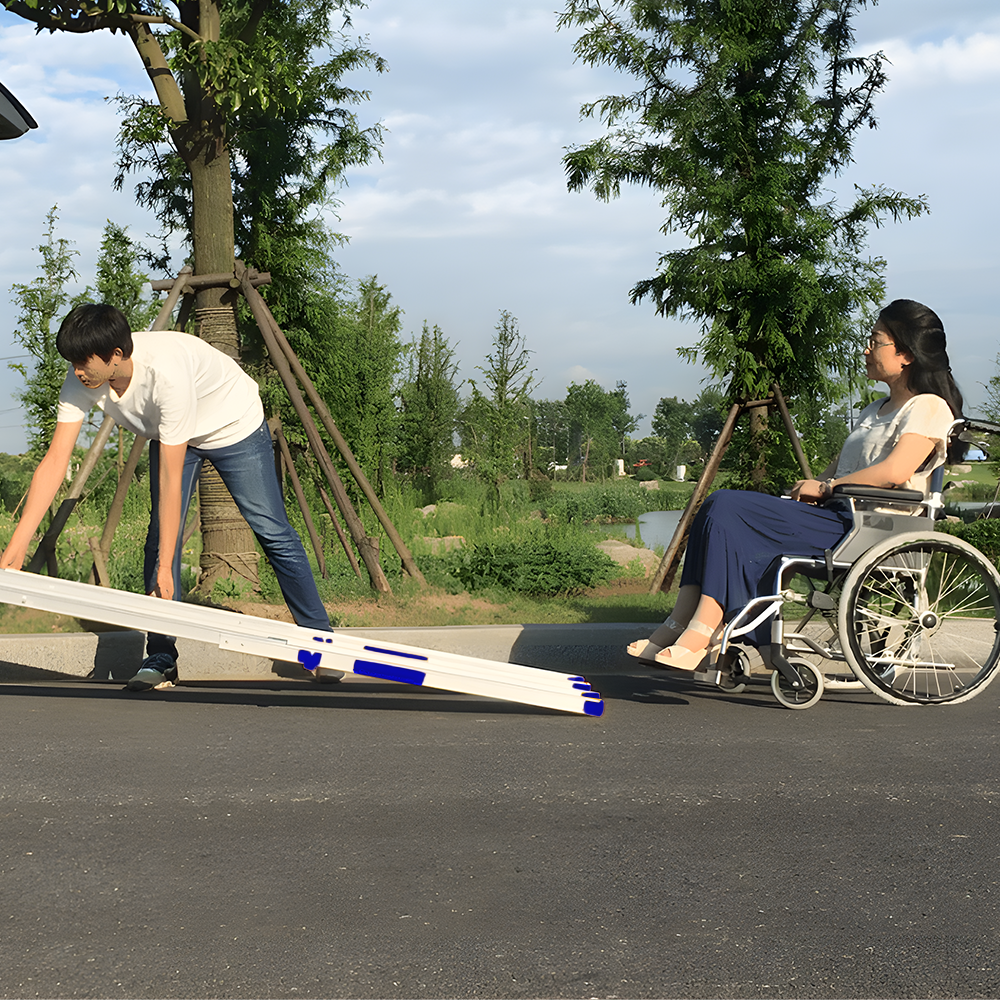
875	436
182	390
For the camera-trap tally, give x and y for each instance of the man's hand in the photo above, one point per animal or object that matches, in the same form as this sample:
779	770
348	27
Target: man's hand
45	483
171	472
164	584
13	556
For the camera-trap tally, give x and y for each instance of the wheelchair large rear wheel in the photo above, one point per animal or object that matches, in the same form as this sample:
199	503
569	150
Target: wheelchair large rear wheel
918	619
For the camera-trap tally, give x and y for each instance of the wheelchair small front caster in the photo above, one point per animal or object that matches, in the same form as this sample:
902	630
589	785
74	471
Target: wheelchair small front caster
803	697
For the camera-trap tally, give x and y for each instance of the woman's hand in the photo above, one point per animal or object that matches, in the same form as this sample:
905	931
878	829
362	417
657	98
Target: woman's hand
811	491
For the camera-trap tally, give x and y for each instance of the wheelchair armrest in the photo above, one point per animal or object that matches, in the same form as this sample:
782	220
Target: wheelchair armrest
857	492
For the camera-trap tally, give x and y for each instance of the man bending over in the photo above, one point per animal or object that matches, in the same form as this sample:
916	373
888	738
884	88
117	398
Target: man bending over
193	403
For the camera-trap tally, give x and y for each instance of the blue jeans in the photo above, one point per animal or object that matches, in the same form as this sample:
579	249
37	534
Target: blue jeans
247	469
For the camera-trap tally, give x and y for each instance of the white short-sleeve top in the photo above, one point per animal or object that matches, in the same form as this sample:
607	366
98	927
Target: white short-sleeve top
182	390
876	434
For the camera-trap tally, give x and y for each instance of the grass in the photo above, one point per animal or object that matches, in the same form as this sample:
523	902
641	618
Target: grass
625	600
351	602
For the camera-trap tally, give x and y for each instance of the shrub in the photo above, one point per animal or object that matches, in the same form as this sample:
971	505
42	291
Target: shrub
621	501
984	535
539	568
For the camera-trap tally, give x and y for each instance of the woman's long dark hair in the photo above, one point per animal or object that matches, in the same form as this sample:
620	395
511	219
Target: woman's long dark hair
919	331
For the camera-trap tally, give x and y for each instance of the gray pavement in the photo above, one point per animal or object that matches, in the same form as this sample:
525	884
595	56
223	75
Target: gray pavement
283	839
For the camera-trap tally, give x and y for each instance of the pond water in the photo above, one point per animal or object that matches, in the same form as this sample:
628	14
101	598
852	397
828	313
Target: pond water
656	528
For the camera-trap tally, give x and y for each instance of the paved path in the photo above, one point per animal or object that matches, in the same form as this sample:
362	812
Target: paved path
368	840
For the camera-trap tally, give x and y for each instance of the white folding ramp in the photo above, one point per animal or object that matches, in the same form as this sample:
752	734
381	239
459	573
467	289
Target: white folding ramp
314	650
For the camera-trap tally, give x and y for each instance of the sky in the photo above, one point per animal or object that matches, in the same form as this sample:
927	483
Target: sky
467	213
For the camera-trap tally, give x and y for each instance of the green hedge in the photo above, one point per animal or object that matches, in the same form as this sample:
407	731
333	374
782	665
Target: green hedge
541	568
984	534
622	501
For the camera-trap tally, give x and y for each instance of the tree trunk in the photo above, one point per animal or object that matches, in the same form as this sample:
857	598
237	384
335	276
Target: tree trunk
758	446
228	547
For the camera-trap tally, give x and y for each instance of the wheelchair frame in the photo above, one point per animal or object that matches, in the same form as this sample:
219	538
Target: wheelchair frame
914	614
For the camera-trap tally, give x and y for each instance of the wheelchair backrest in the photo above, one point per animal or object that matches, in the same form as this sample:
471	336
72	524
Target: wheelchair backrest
877	514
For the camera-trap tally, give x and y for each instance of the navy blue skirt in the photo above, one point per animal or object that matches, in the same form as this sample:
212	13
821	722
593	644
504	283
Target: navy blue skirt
736	538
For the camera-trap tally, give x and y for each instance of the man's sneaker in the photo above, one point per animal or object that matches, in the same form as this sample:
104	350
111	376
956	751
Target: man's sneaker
157	669
326	675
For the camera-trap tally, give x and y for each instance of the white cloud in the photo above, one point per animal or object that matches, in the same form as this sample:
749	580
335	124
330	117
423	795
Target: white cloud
579	374
971	60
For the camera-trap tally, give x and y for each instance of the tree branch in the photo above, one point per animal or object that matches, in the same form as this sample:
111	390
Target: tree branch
82	23
154	19
250	28
167	92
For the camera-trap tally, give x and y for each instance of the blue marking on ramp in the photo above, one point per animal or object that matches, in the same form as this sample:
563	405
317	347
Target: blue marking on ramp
593	708
309	659
389	672
394	652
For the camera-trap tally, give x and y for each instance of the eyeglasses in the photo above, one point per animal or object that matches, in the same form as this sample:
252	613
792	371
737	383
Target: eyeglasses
874	345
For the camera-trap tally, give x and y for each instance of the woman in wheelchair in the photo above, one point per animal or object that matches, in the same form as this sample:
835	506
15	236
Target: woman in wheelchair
899	440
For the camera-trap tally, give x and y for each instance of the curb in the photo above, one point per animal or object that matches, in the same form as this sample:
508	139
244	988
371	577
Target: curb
116	655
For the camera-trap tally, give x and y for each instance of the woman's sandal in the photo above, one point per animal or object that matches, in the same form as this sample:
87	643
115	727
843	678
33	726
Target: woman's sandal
640	646
678	657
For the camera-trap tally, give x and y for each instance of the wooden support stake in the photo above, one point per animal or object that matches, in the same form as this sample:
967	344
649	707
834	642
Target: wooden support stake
45	554
197	282
286	455
100	570
324	496
176	286
354	525
115	511
409	564
786	417
665	572
184	313
663	579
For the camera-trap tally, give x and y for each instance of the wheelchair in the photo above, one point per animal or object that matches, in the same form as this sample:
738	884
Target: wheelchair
908	613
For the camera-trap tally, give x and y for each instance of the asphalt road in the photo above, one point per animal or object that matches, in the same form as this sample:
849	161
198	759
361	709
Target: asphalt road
370	840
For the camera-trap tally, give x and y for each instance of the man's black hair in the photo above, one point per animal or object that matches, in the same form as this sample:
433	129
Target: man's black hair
94	329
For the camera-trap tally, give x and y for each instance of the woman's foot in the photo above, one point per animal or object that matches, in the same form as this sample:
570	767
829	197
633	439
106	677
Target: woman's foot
645	650
683	657
678	657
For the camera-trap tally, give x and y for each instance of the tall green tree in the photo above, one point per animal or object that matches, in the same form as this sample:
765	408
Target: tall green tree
119	281
745	109
708	418
366	358
495	424
217	66
429	405
41	304
349	343
552	429
673	423
600	421
622	421
288	153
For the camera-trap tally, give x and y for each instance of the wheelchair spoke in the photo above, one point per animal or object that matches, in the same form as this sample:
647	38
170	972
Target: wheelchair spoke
920	617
